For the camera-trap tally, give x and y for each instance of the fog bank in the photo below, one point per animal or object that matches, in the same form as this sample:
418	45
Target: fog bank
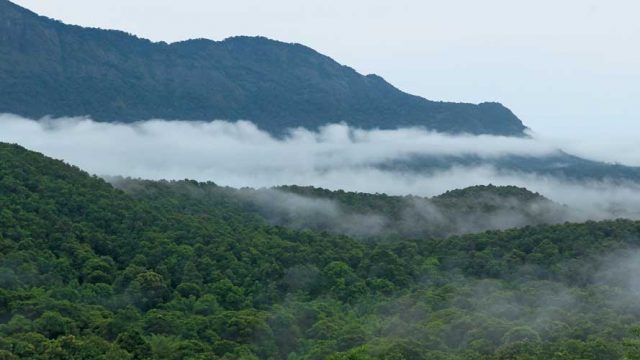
335	157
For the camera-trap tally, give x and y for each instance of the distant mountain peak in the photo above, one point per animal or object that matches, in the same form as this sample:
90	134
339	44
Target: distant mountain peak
49	68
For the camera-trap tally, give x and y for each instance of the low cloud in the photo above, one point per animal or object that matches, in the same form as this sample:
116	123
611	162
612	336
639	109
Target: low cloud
414	217
239	154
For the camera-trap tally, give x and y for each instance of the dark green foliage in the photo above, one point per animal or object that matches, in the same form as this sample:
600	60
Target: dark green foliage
480	191
133	342
91	272
48	68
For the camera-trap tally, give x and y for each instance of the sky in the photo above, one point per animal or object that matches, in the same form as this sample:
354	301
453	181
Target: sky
569	69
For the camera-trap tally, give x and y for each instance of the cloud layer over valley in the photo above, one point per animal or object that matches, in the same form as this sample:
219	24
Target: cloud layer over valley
336	157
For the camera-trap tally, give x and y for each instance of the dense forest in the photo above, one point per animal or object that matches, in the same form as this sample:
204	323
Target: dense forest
48	68
156	270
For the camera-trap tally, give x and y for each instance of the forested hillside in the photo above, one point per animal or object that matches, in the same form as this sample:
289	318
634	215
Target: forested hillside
90	271
362	215
49	68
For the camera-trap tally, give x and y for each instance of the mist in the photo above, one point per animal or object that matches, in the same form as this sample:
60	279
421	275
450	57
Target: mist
301	212
418	217
524	308
238	154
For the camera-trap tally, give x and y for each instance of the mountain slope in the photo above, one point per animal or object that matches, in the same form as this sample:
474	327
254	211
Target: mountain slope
49	68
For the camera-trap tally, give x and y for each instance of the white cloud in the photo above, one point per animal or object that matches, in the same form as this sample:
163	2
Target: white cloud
336	157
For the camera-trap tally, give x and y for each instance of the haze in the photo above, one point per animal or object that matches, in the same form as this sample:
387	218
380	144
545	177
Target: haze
569	69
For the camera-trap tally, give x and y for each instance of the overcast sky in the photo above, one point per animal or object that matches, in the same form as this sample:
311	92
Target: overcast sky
567	68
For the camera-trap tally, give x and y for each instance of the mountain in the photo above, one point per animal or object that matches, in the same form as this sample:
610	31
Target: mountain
49	68
91	272
559	165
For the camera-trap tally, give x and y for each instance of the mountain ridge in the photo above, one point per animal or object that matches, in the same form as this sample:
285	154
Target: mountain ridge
50	68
